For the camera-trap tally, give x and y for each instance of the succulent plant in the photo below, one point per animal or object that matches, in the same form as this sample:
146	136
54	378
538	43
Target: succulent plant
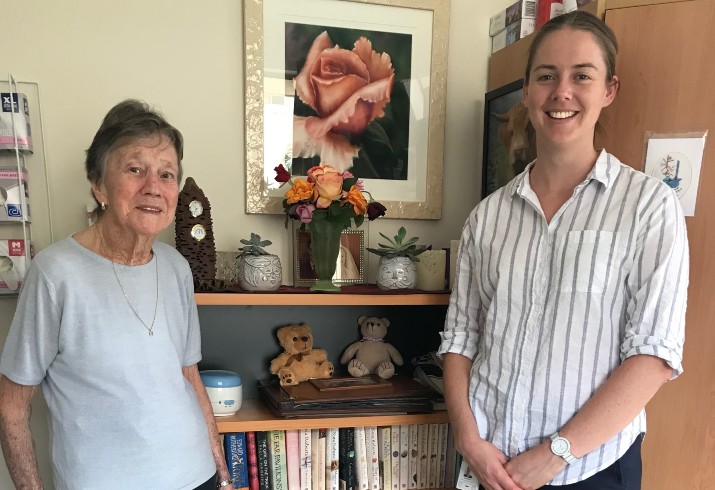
399	247
254	246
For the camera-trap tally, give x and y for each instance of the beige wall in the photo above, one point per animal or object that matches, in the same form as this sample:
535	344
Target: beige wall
86	55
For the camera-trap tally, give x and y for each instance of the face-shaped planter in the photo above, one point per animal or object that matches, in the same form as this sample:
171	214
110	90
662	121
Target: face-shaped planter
396	273
259	272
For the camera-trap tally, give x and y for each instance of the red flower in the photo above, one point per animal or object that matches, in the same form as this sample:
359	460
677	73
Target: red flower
282	175
375	210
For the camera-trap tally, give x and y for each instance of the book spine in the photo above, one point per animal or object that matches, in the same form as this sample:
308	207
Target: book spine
361	459
422	455
373	467
320	462
264	473
252	461
331	459
442	466
343	457
395	456
292	459
451	466
352	472
234	445
433	453
315	462
277	461
384	450
306	465
404	456
414	443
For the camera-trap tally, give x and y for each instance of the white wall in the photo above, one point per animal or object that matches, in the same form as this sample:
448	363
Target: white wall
187	60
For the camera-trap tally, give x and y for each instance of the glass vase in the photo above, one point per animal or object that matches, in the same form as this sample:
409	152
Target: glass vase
324	249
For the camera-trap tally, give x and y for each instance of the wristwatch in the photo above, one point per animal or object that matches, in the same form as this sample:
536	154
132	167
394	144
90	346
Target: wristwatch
561	447
224	483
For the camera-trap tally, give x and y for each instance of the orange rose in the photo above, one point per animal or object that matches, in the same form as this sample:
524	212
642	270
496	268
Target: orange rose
355	197
348	90
301	190
327	185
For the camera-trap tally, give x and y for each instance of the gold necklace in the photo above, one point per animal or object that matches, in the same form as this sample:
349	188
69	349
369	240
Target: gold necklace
150	328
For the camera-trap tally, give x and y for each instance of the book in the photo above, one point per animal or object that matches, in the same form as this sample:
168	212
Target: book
422	455
384	454
361	459
433	455
234	446
412	457
451	466
373	467
320	460
306	465
264	473
292	459
395	456
442	465
277	460
252	461
332	482
346	458
404	456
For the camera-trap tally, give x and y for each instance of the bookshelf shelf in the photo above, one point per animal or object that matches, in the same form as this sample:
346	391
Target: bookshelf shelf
364	296
254	416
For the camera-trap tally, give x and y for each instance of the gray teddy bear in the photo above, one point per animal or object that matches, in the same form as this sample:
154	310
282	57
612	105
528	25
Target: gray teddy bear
372	355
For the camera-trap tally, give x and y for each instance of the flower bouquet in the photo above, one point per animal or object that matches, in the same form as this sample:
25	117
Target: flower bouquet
326	203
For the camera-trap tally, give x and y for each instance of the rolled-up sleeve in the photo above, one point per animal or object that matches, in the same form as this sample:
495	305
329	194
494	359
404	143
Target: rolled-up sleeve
461	333
658	284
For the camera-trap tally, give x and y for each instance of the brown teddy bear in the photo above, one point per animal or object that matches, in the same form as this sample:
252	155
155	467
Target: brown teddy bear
300	362
372	354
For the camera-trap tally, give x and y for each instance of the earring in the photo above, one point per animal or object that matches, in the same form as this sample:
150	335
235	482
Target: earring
103	206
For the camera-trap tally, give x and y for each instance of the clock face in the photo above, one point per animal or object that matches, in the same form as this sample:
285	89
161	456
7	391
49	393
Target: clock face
196	208
198	232
559	446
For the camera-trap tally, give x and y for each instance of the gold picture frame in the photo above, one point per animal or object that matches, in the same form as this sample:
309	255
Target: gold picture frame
269	89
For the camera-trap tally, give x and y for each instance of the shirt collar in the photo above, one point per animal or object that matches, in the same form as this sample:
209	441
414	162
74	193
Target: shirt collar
604	171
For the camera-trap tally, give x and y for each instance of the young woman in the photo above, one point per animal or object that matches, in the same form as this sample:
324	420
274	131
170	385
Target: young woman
568	309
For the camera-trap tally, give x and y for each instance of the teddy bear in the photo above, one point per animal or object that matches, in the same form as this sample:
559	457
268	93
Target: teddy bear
299	361
372	355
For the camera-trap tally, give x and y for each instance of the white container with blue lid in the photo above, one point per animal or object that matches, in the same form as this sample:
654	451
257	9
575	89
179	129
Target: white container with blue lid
224	390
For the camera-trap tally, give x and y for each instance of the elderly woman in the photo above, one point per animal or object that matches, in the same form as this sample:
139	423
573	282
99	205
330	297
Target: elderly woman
107	325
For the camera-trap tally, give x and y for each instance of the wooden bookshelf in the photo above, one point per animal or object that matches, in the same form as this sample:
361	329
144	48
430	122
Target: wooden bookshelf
254	416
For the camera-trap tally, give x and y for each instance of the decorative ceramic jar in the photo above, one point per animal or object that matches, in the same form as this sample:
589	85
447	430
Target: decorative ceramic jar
396	273
259	272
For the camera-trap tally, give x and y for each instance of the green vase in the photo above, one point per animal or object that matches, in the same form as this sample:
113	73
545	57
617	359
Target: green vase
324	249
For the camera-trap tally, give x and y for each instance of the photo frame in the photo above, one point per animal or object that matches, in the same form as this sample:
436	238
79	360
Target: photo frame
509	139
352	260
400	162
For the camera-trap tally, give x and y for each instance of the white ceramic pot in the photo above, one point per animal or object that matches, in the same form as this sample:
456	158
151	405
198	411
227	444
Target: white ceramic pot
396	273
259	272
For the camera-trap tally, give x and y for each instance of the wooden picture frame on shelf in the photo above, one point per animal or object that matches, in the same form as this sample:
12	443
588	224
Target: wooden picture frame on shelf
399	154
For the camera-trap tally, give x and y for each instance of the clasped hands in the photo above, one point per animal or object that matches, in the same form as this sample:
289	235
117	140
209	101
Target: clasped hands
528	471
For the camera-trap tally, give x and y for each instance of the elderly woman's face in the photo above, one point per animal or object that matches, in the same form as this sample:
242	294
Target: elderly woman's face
140	186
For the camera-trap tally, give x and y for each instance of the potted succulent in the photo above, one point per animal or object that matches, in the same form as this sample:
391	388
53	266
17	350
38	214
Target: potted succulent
396	269
258	270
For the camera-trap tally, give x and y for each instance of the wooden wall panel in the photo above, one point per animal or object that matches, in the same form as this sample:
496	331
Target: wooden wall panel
667	69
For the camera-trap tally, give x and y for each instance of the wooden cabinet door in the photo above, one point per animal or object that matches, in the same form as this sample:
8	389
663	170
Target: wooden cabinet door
667	69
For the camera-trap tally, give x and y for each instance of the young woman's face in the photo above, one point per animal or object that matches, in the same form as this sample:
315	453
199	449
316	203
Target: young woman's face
567	89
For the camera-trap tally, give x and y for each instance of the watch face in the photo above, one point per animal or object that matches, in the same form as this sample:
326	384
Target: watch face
559	446
196	208
198	232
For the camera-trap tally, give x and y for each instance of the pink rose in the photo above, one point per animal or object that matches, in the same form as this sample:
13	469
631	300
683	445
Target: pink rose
305	212
348	90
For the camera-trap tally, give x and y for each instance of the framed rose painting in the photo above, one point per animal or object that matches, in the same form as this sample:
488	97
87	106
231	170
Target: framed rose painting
355	84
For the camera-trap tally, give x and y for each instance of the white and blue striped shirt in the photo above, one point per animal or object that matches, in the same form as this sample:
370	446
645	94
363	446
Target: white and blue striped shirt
547	311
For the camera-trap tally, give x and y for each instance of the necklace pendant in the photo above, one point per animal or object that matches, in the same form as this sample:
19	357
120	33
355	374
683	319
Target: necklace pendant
151	333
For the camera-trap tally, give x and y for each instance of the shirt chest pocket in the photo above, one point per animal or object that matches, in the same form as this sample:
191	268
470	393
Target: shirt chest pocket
589	259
